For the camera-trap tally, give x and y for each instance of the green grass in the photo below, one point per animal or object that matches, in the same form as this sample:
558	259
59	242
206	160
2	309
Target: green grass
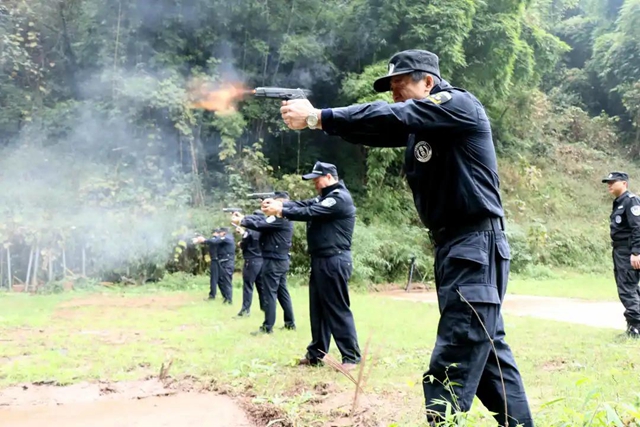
121	335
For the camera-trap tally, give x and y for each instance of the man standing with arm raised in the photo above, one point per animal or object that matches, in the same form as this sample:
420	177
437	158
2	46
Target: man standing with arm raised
331	218
451	167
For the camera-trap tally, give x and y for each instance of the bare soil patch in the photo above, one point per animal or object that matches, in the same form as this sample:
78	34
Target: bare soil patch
132	404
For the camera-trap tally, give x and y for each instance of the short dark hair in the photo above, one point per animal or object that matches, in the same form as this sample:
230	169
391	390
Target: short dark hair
417	76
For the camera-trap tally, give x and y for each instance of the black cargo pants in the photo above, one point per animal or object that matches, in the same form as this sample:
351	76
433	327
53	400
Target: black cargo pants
472	270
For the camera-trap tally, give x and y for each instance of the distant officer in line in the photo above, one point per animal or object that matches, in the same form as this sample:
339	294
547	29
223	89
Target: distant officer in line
330	220
451	167
625	236
252	254
222	252
276	236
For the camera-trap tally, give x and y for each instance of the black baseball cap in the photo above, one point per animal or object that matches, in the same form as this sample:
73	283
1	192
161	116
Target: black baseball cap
321	169
281	195
616	176
406	62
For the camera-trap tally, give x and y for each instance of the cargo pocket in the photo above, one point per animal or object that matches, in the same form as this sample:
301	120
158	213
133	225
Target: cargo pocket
485	312
468	261
503	248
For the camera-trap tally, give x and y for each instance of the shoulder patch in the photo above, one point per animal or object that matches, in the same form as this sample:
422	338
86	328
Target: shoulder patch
328	202
635	210
440	97
270	219
246	234
335	192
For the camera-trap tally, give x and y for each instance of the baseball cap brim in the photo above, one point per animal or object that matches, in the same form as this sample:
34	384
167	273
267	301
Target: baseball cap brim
383	84
311	176
610	179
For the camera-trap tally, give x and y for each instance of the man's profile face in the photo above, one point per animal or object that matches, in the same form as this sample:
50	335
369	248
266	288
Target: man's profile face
403	87
322	182
617	187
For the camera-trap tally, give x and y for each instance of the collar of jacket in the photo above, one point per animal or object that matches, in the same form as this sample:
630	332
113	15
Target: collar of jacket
443	85
619	198
329	189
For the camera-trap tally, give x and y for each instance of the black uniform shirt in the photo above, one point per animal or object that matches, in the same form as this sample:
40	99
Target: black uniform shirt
450	159
276	234
625	220
250	244
222	248
331	219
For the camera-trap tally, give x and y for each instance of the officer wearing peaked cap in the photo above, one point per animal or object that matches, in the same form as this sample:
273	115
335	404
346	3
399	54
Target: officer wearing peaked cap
625	237
252	254
451	167
330	221
275	243
222	253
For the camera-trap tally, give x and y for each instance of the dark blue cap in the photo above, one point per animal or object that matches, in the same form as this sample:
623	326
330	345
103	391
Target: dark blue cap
616	176
281	195
321	169
406	62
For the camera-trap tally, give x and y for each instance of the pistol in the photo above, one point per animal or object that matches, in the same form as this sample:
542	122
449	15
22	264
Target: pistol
232	210
261	195
280	93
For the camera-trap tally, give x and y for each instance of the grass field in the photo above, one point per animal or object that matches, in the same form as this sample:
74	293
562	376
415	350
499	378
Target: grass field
570	371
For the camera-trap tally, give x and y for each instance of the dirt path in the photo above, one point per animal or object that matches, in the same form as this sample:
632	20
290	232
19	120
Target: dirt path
590	313
130	404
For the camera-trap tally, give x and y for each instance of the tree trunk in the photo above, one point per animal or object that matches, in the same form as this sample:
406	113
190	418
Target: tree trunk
34	277
84	261
64	262
9	277
26	282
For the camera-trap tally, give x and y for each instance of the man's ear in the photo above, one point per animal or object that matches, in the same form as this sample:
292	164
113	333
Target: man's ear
430	81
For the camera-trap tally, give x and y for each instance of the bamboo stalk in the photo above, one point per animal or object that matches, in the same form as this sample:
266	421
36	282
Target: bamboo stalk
84	258
26	281
1	269
50	266
64	262
34	278
9	276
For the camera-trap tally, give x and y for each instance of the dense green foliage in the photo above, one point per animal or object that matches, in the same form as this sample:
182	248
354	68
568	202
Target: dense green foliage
102	155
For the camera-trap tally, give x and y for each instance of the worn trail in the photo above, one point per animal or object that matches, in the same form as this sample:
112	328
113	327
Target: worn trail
601	314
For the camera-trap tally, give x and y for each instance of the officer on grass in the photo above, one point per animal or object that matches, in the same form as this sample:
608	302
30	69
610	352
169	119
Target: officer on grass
451	167
276	236
222	253
331	218
625	237
252	254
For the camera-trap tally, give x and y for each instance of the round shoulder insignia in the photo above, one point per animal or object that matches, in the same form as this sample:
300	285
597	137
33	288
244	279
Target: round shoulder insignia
635	210
618	219
271	219
328	202
245	235
423	152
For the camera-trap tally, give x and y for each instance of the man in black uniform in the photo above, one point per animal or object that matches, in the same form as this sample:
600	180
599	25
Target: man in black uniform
625	236
222	250
275	242
250	245
331	218
451	167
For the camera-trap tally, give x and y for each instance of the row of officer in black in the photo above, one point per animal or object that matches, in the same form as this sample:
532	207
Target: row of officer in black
266	243
265	248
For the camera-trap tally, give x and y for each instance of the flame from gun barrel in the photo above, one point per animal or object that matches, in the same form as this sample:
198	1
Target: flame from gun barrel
220	98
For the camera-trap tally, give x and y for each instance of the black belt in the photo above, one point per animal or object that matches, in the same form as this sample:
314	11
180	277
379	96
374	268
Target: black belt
442	235
620	243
